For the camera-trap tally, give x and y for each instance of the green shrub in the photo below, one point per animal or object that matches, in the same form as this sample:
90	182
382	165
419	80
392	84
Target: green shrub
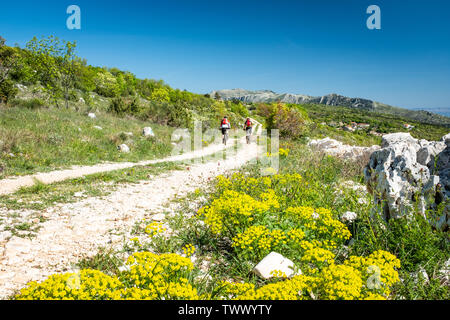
7	91
34	103
289	119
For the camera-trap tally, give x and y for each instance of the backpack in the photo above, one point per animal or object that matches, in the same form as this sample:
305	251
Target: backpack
224	121
248	123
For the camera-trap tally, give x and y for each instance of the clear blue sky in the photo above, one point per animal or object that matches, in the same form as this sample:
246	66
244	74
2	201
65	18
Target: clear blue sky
310	47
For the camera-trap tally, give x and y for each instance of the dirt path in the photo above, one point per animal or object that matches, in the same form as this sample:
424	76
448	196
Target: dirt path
79	229
11	185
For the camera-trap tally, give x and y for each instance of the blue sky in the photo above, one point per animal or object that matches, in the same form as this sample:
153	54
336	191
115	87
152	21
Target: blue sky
310	47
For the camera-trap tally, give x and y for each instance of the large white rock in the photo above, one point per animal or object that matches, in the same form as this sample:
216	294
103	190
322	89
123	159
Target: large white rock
446	137
273	261
148	132
399	137
123	148
92	115
338	149
403	175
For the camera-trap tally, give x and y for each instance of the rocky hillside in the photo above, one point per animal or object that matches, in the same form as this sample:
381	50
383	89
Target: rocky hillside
331	100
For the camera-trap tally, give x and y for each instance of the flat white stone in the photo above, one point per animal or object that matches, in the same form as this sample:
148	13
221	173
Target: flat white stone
273	261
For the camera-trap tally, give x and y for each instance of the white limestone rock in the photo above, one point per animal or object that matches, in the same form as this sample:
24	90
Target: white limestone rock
338	149
403	175
123	148
148	132
274	261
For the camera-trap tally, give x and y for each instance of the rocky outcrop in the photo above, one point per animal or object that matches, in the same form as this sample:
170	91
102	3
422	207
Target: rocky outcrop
338	149
403	177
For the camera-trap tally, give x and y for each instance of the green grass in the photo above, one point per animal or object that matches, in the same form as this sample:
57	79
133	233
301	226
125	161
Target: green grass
105	260
47	139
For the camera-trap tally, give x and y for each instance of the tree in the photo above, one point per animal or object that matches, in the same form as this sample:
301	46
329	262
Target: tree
217	96
8	61
106	84
160	94
291	120
56	65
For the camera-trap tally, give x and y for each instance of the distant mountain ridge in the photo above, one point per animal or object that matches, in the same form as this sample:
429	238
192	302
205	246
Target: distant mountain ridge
332	99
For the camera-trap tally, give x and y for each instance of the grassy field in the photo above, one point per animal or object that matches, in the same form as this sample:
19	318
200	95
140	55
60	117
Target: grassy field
47	139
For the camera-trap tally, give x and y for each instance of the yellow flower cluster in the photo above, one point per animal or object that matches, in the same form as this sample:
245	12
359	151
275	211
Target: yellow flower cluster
283	152
258	240
295	235
295	288
161	276
287	179
340	282
378	270
234	209
269	198
321	221
317	255
188	250
222	183
155	228
150	276
85	285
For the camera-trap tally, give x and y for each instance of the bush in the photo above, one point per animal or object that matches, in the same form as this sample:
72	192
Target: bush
173	114
123	106
7	91
239	109
34	103
289	119
106	84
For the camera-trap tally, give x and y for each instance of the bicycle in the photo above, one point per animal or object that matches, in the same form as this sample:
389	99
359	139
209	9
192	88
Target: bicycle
248	134
225	136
